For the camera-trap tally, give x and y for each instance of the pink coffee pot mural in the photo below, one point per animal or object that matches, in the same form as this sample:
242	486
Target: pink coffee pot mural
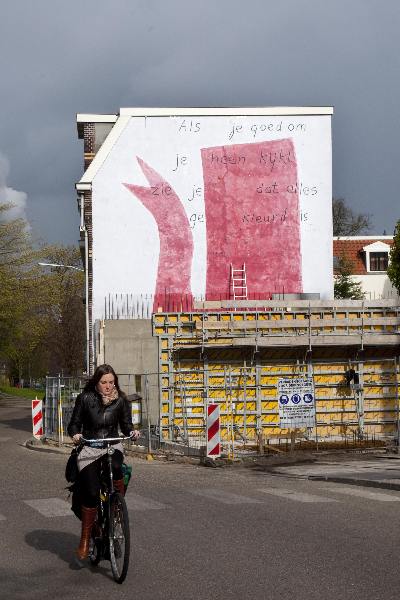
251	200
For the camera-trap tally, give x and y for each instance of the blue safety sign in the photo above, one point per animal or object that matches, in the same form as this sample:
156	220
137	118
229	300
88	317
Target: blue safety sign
296	402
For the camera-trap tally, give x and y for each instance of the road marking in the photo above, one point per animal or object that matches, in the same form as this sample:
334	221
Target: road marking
363	493
136	502
225	497
296	496
51	507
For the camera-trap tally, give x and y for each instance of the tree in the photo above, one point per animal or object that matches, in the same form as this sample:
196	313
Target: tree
29	326
42	319
17	255
393	269
344	285
65	340
346	222
16	247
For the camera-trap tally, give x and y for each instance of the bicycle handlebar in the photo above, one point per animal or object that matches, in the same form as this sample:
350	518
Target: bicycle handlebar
99	440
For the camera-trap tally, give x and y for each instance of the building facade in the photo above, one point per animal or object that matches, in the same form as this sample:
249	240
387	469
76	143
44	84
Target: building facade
178	204
199	230
369	258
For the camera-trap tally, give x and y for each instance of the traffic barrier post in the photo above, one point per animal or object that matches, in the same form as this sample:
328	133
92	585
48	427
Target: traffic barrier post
213	431
37	418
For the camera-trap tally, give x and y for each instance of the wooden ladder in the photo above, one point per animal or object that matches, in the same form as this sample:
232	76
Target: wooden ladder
239	283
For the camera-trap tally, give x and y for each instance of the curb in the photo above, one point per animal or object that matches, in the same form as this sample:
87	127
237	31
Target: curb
45	446
31	444
139	452
375	483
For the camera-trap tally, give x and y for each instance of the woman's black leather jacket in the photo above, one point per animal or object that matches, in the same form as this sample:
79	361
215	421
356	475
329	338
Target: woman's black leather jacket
95	421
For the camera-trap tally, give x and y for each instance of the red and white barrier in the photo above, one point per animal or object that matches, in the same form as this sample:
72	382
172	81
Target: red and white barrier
213	431
37	418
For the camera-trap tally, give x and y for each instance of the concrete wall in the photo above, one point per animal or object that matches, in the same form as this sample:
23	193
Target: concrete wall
376	285
129	346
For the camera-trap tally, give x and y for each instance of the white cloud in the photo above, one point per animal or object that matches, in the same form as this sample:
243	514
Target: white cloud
10	196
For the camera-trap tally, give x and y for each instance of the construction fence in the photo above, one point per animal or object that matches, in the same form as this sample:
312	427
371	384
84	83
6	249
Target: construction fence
248	398
348	414
61	393
236	359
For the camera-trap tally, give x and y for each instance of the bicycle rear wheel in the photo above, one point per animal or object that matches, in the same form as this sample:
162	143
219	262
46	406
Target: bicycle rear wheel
119	537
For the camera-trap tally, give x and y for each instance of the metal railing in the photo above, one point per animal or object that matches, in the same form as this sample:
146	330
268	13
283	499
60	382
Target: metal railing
61	393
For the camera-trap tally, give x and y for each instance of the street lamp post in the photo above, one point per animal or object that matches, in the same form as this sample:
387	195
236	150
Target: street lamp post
59	266
43	264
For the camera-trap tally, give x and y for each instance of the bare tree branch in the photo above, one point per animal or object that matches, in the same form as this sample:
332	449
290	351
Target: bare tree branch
346	222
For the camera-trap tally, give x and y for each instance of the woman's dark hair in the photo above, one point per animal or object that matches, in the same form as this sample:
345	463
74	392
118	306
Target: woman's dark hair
98	374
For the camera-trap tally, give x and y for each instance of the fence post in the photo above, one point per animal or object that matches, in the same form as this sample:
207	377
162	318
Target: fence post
398	403
260	441
60	414
46	407
146	396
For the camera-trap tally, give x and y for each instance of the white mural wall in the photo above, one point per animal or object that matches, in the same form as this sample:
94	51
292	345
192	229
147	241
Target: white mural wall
179	199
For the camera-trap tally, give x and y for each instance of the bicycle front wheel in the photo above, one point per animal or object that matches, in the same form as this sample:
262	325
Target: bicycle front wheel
119	537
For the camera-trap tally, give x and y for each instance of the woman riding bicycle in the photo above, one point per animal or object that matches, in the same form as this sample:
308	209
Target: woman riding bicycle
98	412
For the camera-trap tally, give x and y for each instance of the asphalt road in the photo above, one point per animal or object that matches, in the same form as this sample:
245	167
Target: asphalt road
199	533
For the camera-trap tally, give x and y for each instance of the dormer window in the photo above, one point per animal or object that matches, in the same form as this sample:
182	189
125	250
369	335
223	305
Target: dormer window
378	261
376	257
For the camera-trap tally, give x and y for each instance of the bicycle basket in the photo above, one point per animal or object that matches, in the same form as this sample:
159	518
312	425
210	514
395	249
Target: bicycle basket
126	474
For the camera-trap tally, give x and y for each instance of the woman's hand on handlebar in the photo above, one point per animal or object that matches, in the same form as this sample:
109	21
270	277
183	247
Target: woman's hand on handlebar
134	435
77	438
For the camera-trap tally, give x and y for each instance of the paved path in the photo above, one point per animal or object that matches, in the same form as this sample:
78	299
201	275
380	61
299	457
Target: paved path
198	533
53	507
382	471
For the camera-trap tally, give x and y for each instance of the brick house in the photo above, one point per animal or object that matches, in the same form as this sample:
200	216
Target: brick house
369	255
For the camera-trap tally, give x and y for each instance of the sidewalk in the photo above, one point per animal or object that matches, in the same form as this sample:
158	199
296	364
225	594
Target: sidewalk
381	470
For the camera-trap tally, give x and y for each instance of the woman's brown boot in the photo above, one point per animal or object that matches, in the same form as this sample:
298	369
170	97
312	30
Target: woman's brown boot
88	519
119	486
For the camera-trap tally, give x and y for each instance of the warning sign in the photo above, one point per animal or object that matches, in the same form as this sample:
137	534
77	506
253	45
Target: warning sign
296	402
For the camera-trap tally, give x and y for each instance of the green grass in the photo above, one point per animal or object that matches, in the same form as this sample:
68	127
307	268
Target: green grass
22	392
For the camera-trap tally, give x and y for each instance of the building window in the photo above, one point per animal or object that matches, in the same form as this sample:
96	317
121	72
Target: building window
378	261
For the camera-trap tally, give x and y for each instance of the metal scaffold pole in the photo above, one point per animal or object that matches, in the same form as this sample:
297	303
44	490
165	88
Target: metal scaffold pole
231	417
361	399
260	439
60	414
396	377
245	402
146	397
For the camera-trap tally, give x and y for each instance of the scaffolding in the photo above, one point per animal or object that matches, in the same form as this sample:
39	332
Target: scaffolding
235	357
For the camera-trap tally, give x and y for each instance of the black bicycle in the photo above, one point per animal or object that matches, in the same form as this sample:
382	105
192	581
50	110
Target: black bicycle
110	537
